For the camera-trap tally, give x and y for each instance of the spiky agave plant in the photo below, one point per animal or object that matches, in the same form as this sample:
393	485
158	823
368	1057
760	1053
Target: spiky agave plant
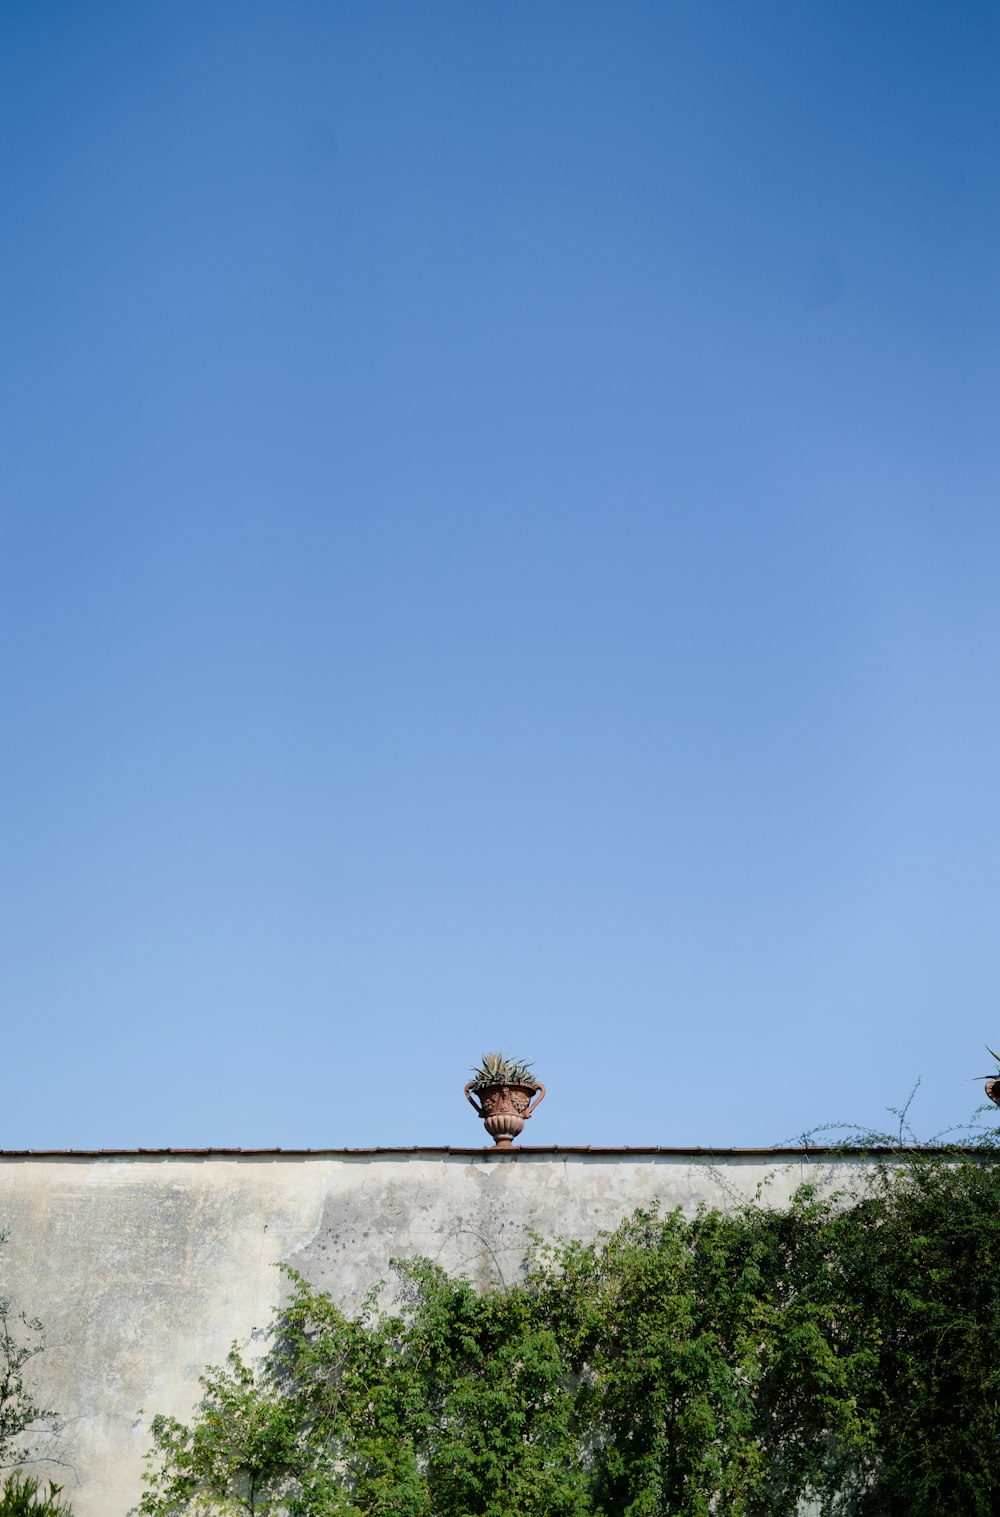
995	1073
497	1069
22	1496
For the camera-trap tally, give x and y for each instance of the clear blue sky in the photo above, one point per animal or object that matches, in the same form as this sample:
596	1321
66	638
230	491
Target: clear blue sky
500	547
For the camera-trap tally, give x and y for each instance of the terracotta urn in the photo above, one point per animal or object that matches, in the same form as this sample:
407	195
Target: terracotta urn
992	1089
504	1108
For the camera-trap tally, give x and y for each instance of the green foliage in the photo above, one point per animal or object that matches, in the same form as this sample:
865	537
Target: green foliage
919	1258
737	1363
27	1429
22	1496
497	1069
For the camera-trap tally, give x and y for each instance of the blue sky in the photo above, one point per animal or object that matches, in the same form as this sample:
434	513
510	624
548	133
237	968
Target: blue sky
499	547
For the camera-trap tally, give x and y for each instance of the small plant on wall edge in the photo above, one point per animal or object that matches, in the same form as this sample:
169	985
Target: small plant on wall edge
497	1069
508	1094
993	1080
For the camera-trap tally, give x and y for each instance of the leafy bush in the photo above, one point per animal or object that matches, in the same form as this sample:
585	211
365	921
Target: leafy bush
27	1429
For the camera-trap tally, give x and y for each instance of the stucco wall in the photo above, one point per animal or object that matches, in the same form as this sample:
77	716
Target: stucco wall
145	1267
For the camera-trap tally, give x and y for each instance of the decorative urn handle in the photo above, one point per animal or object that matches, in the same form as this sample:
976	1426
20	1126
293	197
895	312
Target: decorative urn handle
536	1102
474	1104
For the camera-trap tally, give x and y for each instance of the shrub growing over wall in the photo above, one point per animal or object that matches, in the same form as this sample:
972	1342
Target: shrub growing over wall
731	1362
28	1430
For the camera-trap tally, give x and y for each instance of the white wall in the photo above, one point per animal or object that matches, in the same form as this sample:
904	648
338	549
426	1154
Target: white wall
145	1267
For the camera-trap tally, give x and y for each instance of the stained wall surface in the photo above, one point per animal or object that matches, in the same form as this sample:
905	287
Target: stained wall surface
145	1267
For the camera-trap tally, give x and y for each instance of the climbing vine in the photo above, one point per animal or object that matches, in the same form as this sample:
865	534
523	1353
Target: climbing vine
840	1350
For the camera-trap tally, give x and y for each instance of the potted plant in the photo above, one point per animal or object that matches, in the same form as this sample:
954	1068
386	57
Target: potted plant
508	1093
993	1081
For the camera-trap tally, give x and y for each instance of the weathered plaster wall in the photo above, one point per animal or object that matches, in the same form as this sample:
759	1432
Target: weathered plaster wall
144	1268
